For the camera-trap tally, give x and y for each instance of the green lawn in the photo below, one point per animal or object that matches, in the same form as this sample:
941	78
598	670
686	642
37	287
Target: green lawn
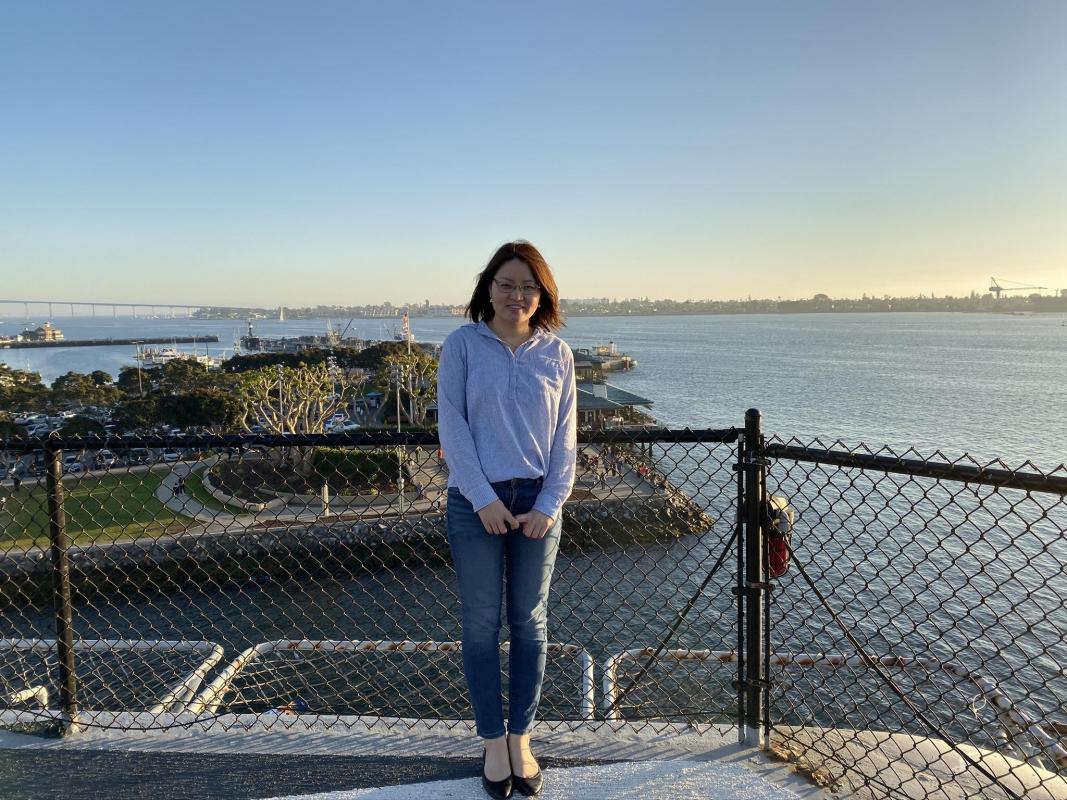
194	485
98	509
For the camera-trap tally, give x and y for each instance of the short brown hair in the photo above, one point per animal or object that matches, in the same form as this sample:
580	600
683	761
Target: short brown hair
547	315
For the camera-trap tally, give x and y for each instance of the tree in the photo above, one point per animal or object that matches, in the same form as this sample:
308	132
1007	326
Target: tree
183	374
134	381
372	357
414	375
21	389
259	361
79	389
136	414
81	426
176	376
293	401
201	408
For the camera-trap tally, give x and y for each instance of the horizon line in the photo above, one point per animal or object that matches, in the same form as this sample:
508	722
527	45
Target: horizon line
972	294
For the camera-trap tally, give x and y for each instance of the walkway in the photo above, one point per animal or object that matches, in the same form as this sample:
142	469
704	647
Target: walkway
433	477
425	762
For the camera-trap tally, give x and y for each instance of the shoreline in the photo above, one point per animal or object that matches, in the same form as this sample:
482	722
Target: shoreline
353	545
291	317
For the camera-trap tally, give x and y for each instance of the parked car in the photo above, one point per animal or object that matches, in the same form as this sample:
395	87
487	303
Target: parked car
72	464
140	455
345	427
104	458
170	455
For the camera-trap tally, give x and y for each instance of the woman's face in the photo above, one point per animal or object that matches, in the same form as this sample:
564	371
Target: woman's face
514	293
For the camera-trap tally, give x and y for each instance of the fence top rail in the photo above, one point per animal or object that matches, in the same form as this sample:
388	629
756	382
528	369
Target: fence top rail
355	438
942	470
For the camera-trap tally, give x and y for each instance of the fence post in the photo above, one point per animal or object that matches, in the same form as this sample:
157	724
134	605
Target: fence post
755	678
57	535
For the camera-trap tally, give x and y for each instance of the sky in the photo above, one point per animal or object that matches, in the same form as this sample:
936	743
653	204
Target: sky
348	153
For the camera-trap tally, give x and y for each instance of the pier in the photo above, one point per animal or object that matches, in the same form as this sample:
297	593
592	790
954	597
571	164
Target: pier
109	342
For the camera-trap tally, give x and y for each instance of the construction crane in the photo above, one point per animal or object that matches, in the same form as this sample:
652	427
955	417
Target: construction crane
996	288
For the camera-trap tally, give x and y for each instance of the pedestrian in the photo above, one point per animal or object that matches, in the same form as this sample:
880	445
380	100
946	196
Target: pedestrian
507	419
180	488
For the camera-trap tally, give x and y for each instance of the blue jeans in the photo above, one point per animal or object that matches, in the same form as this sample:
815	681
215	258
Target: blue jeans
482	560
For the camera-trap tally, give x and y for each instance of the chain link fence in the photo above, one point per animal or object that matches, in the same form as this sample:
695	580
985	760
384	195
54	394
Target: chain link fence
920	628
222	579
225	581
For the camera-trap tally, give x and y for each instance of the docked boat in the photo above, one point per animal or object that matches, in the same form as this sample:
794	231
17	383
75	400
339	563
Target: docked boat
402	332
158	356
334	338
607	357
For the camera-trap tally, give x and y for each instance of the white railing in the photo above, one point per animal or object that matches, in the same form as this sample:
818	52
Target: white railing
173	698
209	700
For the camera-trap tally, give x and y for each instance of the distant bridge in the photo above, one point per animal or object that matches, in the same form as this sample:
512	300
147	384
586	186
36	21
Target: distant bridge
90	308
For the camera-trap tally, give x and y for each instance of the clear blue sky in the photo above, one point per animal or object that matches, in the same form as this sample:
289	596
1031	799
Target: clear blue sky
344	152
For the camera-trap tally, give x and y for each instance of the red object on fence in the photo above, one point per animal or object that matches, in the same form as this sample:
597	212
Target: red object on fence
779	535
777	556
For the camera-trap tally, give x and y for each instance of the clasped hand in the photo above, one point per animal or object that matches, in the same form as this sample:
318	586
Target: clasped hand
497	519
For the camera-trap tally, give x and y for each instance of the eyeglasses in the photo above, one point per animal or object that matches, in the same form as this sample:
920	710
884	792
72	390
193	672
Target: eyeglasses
525	290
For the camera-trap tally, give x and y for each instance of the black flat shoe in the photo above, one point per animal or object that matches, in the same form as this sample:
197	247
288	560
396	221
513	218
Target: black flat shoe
498	790
531	787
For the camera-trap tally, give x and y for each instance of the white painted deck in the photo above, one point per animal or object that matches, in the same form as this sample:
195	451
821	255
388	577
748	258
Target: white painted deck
651	761
648	780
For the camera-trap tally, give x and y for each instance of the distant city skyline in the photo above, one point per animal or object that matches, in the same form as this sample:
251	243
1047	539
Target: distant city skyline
268	154
10	309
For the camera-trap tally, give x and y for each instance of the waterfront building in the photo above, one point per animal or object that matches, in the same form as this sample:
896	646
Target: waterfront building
602	405
44	333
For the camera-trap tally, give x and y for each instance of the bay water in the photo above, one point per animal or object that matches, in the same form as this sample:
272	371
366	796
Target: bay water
991	385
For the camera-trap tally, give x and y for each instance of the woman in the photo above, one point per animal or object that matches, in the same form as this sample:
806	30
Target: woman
506	400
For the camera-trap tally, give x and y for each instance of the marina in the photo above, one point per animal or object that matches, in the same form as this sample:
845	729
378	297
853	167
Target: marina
109	342
159	356
250	342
